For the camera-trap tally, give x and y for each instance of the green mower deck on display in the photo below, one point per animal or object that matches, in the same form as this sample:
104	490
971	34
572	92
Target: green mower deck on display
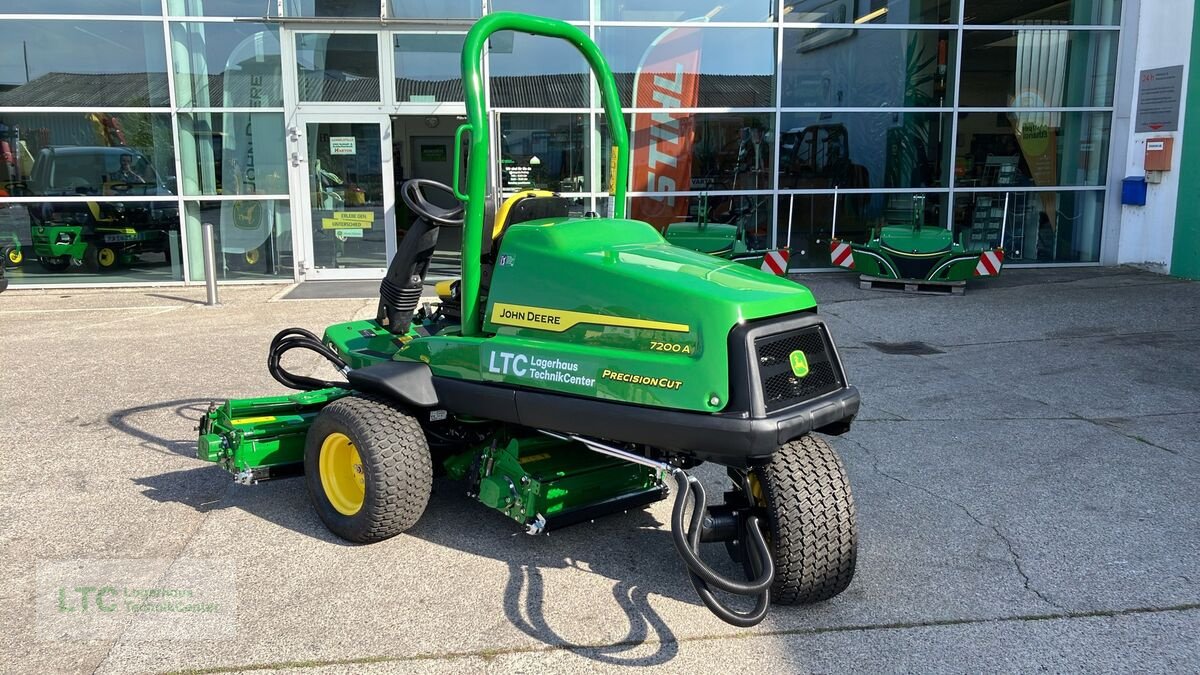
579	368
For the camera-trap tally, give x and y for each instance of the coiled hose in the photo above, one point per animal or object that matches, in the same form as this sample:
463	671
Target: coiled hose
687	542
298	338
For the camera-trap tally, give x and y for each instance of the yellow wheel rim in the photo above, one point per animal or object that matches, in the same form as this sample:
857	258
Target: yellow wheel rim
342	475
106	257
15	257
252	256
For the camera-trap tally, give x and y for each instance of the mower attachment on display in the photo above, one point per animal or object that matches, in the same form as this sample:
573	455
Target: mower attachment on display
579	368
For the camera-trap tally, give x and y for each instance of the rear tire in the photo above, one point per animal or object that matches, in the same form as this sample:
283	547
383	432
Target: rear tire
811	520
393	466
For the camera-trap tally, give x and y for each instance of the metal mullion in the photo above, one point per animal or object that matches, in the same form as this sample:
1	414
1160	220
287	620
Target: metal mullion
958	52
81	109
867	109
808	25
677	24
697	193
262	197
1015	27
238	109
1040	109
863	190
1034	188
775	165
82	199
79	17
172	98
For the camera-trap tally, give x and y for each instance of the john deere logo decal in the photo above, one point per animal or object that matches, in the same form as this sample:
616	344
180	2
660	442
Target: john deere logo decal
799	363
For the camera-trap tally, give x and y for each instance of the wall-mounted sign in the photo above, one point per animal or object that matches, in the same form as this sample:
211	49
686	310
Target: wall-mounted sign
342	145
1158	99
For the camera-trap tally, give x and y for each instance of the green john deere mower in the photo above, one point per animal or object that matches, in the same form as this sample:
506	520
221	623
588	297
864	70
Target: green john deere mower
580	368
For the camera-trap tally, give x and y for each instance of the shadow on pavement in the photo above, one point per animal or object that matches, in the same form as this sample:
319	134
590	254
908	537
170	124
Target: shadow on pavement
628	548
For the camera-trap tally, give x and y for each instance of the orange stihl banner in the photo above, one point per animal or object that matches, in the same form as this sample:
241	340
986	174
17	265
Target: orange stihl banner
668	77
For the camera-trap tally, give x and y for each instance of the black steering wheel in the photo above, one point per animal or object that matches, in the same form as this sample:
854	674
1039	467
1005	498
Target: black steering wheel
413	194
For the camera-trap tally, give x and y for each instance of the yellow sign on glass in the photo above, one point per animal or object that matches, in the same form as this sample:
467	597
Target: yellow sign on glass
341	220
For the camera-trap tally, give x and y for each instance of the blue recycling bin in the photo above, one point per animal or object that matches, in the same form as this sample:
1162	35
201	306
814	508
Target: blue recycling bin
1133	191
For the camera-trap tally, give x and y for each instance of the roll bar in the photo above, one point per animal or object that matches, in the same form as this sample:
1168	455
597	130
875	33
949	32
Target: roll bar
478	163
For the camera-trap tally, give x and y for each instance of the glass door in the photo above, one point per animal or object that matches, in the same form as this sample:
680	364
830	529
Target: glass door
349	194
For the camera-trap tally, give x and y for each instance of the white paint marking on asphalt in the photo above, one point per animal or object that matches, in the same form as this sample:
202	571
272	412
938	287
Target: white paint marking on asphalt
87	309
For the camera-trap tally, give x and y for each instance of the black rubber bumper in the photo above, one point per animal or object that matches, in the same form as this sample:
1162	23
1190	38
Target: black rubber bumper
733	440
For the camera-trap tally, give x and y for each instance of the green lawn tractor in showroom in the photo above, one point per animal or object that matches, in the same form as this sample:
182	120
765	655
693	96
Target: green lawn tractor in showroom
580	368
916	252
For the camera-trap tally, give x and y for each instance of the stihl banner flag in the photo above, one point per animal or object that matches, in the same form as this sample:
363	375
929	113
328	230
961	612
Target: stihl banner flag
667	78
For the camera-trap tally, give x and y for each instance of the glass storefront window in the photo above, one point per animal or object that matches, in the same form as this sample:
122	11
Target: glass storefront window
547	151
253	238
102	241
811	218
751	213
840	67
1040	226
434	9
696	151
531	71
1076	12
567	10
870	11
83	64
96	153
239	8
1031	148
338	67
721	67
233	153
685	10
1035	68
106	7
331	8
428	67
226	65
851	150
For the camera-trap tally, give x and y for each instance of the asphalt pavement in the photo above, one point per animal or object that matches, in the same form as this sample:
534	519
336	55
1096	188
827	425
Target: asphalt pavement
1025	468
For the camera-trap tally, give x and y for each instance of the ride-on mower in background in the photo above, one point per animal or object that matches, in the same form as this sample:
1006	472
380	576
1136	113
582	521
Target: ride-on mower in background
580	368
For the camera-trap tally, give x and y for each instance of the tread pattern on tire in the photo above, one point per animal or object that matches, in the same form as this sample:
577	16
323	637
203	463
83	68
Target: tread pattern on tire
396	460
814	538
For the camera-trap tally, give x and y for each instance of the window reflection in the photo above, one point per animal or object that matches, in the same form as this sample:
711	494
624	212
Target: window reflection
532	71
1077	12
226	65
131	7
863	150
428	67
1034	226
232	153
811	218
751	213
253	238
544	151
721	67
870	11
568	10
830	67
433	9
83	63
1036	68
686	10
341	67
1031	149
331	8
97	153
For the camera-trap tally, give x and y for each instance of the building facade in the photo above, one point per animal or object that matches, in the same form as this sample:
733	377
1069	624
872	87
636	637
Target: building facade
290	124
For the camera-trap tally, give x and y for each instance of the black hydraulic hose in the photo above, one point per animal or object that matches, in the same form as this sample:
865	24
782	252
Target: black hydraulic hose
687	542
298	338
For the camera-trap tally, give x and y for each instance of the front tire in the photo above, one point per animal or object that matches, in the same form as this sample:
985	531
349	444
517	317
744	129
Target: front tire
368	469
811	519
